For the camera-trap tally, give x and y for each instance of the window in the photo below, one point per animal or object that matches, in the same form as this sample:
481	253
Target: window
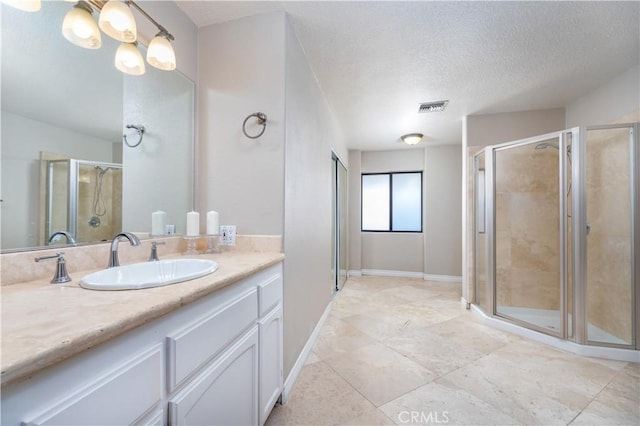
392	202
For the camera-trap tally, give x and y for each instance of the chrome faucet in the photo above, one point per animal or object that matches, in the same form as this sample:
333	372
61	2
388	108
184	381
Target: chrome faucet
154	250
113	253
61	275
56	236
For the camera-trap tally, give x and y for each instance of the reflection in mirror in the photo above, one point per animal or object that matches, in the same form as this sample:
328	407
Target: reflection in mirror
64	112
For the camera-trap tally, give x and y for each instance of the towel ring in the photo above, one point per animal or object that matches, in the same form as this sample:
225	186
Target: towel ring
139	129
261	119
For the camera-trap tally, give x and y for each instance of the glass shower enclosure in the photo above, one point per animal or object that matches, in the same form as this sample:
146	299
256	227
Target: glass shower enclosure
83	199
556	234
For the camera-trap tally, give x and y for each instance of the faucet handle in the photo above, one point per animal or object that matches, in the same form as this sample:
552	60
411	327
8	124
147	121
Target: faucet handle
154	250
61	275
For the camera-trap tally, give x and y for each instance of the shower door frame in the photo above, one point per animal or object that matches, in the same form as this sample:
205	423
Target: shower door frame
575	331
72	193
580	230
566	330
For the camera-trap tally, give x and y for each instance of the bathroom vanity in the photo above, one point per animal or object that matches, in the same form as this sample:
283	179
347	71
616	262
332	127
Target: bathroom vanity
206	351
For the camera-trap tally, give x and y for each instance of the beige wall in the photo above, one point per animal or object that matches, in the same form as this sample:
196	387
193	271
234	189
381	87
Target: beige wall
355	240
242	69
391	251
443	211
311	132
615	99
493	129
435	251
20	171
279	183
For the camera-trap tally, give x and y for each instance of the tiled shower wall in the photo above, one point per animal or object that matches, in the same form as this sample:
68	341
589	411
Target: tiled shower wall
609	280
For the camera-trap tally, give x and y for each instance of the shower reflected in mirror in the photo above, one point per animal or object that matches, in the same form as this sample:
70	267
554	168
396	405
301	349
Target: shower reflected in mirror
83	201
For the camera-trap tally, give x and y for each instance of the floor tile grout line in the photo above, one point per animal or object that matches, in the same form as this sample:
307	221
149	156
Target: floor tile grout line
597	394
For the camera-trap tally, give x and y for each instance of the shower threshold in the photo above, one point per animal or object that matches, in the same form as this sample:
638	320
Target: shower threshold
619	354
551	319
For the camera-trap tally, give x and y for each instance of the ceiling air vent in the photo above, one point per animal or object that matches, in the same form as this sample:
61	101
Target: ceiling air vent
433	106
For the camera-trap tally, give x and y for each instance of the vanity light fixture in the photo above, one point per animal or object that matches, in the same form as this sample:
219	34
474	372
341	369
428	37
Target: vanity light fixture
25	5
129	59
412	138
160	54
117	21
79	27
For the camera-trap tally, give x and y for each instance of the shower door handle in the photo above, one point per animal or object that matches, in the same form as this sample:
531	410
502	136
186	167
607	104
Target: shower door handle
588	228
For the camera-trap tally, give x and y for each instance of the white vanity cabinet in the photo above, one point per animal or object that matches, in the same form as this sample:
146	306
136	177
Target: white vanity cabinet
215	361
271	355
226	392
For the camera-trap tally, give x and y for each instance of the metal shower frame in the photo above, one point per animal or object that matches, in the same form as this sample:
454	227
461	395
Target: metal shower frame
575	331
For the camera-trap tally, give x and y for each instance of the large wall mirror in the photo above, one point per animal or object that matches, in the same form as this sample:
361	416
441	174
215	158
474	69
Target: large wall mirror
64	112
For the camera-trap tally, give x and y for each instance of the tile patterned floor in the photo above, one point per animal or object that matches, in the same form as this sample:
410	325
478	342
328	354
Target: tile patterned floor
402	351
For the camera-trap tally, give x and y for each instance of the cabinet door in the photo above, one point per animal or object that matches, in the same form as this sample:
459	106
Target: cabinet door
118	398
226	392
270	361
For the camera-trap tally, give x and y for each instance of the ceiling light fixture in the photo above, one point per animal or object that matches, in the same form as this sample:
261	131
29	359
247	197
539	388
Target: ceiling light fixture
412	138
79	27
117	21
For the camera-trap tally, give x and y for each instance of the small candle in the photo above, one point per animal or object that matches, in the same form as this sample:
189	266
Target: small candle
158	222
193	224
213	223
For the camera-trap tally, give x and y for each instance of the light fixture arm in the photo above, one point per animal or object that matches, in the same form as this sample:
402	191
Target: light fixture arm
163	30
82	4
98	4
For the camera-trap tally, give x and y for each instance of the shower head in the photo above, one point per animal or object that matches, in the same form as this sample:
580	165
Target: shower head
102	171
545	145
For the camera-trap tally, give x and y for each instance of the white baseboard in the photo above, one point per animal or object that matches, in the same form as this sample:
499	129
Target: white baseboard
443	278
405	274
304	354
388	273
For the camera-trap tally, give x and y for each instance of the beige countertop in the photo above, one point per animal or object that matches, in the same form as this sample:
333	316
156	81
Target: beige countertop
43	323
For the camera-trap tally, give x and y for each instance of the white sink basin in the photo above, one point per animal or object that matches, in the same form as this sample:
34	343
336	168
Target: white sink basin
148	274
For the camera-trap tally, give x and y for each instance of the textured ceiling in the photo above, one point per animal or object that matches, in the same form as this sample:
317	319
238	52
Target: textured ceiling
376	61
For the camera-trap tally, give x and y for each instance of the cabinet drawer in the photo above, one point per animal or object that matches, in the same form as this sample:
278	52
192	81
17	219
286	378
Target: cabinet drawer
269	294
194	345
118	397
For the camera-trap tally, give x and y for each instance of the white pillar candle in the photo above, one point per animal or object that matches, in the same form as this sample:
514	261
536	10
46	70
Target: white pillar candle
213	223
193	224
158	222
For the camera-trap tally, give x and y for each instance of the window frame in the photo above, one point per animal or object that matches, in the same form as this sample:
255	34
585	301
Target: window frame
390	174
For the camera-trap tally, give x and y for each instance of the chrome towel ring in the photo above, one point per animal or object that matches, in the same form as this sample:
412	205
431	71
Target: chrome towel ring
261	119
139	129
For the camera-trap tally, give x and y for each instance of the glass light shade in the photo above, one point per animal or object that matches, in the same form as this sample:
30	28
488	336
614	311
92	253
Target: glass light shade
80	29
160	54
26	5
412	138
129	59
116	20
